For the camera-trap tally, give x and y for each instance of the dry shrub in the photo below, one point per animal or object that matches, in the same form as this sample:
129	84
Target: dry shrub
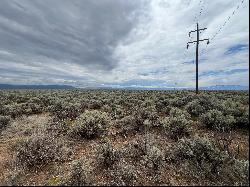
39	150
124	174
4	121
57	126
79	174
139	147
12	177
154	159
107	155
90	124
200	158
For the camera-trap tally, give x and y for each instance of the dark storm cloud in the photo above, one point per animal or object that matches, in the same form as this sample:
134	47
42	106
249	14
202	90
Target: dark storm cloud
77	31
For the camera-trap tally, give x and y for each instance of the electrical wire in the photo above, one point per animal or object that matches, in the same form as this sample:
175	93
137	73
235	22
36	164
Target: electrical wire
222	26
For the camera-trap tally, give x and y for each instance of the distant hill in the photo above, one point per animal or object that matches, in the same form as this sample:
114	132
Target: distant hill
225	87
217	87
12	86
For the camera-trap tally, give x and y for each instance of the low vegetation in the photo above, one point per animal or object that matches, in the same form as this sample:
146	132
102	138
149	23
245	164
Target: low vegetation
40	150
90	124
117	137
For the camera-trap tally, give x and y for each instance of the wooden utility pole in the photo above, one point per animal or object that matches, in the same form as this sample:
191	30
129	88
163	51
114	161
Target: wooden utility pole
197	52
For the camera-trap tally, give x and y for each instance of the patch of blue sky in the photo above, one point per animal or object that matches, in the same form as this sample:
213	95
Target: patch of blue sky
214	73
237	71
236	49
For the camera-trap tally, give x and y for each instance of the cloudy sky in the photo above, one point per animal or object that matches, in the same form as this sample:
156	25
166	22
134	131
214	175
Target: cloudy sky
122	42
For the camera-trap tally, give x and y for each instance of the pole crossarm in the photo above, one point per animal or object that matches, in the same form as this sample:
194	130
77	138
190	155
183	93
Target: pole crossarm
196	31
199	41
191	42
202	29
204	40
191	32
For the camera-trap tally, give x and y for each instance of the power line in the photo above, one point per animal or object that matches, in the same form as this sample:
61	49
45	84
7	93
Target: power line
195	20
226	21
201	10
222	26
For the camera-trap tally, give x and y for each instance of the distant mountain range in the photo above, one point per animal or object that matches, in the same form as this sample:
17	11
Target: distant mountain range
217	87
12	86
225	87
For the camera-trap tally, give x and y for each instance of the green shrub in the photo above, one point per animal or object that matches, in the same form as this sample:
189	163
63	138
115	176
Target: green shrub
215	119
148	113
243	120
231	107
208	102
14	110
177	102
178	124
195	108
163	105
127	125
33	108
94	104
200	157
177	127
115	111
66	110
176	112
237	110
90	124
